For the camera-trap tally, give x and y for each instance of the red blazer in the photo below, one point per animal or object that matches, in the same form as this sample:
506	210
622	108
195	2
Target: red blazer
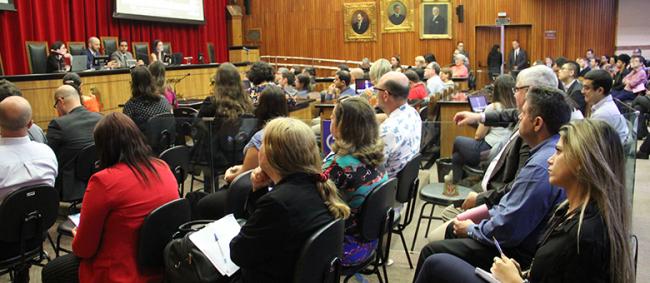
114	207
418	91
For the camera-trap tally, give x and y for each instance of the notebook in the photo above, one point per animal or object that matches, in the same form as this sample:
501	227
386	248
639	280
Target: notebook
475	214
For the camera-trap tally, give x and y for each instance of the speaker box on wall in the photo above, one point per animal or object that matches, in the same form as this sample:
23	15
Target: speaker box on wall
247	6
460	12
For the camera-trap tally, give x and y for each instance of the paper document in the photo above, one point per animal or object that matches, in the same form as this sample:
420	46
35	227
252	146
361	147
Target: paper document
487	276
75	218
475	214
214	241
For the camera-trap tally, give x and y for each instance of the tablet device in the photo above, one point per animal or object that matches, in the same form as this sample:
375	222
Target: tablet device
477	103
362	84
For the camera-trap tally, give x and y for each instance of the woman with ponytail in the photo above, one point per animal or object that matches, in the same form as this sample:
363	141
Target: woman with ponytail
354	165
587	237
291	199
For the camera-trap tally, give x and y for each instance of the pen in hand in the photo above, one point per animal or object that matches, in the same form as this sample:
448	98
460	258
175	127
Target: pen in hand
496	243
216	239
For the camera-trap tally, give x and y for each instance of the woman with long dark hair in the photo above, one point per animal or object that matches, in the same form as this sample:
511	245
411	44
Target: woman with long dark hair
494	59
145	101
157	70
130	184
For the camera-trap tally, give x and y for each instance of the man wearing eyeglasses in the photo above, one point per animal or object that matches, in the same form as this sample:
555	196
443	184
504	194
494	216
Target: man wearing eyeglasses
67	135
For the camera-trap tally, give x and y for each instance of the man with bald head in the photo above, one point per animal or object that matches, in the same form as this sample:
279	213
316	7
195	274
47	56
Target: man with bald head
67	135
24	162
92	51
402	130
8	89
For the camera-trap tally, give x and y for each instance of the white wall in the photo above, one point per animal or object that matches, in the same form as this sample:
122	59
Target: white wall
633	28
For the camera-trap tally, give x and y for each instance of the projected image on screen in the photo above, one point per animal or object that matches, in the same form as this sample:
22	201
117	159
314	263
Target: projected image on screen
176	11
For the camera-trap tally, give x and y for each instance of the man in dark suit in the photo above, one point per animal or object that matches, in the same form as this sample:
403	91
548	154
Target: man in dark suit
584	67
437	24
572	87
397	17
92	51
360	25
67	135
518	59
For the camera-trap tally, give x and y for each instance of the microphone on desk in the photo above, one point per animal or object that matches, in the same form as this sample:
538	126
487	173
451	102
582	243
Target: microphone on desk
175	81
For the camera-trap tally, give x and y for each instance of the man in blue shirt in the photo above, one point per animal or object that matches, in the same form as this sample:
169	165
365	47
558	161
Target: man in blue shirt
520	216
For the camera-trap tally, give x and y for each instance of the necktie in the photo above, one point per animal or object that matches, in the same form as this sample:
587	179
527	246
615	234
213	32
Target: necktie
516	54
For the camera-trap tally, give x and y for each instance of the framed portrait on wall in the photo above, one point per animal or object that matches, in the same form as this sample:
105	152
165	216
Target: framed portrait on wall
435	20
359	21
397	15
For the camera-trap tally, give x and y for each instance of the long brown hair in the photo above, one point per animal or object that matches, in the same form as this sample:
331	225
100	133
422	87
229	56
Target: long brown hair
142	84
157	70
119	140
290	147
359	131
229	97
503	91
599	169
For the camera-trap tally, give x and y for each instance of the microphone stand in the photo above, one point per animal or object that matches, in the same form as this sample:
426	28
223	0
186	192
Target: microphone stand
176	81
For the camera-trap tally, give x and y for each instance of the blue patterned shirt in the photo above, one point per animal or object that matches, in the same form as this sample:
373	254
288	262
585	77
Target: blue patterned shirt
401	134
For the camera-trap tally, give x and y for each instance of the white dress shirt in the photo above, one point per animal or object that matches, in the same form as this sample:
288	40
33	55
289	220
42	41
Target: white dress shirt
606	110
26	163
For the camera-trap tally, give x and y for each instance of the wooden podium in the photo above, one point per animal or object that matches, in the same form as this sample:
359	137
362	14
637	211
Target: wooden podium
238	52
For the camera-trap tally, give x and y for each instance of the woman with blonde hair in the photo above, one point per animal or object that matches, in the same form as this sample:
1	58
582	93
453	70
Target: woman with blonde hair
377	70
300	201
354	165
587	236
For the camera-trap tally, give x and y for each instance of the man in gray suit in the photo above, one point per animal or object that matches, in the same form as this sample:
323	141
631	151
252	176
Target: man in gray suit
122	54
518	59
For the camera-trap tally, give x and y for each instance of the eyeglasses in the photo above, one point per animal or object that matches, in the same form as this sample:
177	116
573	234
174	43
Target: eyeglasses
56	101
381	89
518	88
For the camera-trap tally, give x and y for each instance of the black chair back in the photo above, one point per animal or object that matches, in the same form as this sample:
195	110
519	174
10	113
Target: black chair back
109	44
178	159
157	230
238	194
185	117
407	180
77	48
424	112
167	48
26	214
319	259
211	56
37	52
372	217
86	163
141	51
160	131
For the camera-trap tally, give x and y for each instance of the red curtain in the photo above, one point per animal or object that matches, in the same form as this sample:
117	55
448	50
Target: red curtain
77	20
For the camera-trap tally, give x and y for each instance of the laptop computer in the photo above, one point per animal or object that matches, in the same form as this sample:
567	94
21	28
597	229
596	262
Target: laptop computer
78	63
362	84
477	103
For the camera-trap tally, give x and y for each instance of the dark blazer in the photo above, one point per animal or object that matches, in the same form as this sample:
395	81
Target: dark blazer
515	154
268	245
618	79
67	135
360	29
584	71
90	57
575	93
396	19
436	26
494	61
521	61
54	64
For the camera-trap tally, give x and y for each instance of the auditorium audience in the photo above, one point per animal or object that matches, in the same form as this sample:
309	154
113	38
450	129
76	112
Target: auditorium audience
402	130
157	70
56	61
584	66
303	86
272	104
130	184
365	65
71	132
548	61
419	62
89	101
445	77
519	218
435	85
634	81
355	167
418	90
587	237
302	200
471	151
287	83
595	88
341	86
494	61
429	57
590	54
260	75
622	70
91	52
571	85
229	101
158	53
8	89
459	70
395	64
145	101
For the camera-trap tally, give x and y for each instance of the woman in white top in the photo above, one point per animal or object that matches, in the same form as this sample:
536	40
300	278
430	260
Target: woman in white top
468	151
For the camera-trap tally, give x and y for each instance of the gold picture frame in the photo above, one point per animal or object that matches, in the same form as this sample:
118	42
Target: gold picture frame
439	27
391	22
359	21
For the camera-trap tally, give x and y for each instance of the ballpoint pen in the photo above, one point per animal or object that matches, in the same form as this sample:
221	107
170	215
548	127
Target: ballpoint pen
216	239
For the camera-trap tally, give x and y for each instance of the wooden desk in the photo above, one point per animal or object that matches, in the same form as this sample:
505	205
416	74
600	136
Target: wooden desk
448	129
303	110
113	87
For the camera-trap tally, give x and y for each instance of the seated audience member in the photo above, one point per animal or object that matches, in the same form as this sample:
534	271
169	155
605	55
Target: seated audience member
130	184
277	77
642	104
157	70
584	66
302	201
559	62
634	81
459	70
365	65
622	70
287	83
468	151
229	99
519	218
355	167
89	101
445	76
402	130
91	52
341	86
595	88
594	64
356	74
377	70
587	237
56	61
25	162
145	102
260	75
435	85
343	67
272	104
395	64
548	61
571	85
8	89
303	86
419	62
429	58
417	91
68	134
460	49
158	53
